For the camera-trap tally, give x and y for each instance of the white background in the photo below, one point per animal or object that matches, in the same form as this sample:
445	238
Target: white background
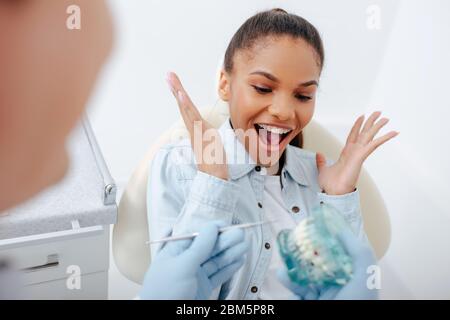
401	69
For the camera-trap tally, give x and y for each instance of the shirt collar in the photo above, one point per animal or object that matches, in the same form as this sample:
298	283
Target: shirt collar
295	165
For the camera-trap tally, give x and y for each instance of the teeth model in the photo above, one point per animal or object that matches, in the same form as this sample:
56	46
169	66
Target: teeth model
312	253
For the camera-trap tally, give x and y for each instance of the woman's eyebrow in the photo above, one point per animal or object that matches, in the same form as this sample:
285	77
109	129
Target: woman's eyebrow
309	83
275	79
267	75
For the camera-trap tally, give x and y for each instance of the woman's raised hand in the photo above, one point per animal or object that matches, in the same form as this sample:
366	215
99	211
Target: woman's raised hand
205	140
341	177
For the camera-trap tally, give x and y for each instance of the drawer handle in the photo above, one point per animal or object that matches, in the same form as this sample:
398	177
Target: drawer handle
52	261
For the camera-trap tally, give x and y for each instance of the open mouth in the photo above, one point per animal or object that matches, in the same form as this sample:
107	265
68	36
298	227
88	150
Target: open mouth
272	135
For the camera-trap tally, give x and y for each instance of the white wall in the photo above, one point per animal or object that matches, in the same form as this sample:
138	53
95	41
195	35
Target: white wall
412	84
400	69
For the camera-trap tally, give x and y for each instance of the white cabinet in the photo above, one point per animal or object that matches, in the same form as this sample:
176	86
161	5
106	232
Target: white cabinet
70	264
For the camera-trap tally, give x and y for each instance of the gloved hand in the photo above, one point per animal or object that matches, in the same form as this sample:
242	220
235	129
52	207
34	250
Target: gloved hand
356	289
192	269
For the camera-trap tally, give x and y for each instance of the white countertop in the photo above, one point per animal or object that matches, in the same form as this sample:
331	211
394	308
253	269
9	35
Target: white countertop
79	196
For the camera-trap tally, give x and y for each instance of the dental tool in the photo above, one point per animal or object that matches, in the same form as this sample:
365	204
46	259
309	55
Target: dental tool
221	230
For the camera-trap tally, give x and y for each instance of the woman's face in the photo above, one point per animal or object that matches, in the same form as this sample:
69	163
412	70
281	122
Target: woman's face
271	93
47	74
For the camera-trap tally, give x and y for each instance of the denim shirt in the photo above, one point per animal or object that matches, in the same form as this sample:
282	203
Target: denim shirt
180	199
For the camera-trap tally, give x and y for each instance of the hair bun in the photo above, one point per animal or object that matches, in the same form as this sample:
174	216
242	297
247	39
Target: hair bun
279	10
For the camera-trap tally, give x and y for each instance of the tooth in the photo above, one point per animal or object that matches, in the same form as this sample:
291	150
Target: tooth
275	130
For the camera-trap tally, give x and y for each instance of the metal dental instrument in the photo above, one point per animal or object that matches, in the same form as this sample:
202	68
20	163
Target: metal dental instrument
193	235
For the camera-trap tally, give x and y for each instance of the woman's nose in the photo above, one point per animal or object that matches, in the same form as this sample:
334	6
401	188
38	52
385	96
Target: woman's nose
282	110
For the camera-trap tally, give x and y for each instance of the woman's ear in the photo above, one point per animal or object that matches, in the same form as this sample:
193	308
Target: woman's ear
224	86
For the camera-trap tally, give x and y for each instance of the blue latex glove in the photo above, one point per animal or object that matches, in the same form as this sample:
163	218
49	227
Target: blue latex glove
356	289
192	269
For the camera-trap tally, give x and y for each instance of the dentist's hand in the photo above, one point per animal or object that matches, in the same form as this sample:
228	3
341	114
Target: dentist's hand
356	289
192	269
213	165
341	177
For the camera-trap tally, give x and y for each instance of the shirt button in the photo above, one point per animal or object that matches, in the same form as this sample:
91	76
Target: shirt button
295	209
258	168
254	289
267	245
259	204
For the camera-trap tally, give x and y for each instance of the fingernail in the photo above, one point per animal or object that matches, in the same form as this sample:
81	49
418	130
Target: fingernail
180	96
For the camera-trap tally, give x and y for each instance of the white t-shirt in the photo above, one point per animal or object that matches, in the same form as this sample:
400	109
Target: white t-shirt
275	209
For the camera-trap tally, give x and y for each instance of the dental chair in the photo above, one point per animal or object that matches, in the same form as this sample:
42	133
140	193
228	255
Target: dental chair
130	234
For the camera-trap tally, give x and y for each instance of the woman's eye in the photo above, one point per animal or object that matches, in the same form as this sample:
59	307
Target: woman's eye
302	98
262	90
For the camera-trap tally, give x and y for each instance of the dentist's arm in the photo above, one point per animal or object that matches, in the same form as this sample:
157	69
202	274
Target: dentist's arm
192	269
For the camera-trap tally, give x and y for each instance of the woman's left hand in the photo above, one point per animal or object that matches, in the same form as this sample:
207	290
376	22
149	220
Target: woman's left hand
341	177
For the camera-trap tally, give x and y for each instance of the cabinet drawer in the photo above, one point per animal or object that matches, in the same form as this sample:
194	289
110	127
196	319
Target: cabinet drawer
47	257
93	286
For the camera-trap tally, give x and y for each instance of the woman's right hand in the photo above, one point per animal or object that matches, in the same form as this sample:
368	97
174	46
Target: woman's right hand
202	134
